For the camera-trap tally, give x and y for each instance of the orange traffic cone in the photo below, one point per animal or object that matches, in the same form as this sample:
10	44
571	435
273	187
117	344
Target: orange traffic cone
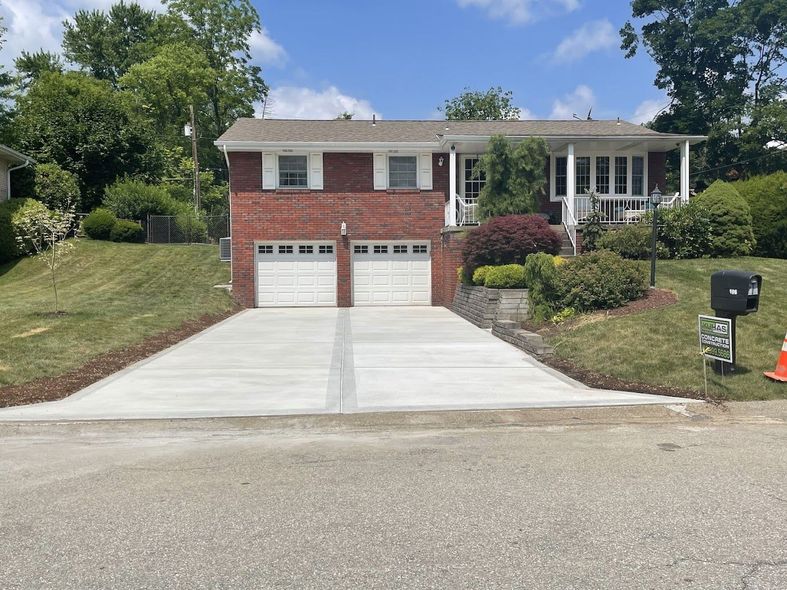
780	374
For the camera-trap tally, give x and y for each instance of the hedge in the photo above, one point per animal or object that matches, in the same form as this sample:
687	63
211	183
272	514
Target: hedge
767	198
730	220
10	212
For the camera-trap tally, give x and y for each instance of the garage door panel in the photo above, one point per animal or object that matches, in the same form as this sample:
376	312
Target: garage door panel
391	273
296	274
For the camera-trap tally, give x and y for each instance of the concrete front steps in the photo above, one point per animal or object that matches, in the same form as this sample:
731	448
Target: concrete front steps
566	249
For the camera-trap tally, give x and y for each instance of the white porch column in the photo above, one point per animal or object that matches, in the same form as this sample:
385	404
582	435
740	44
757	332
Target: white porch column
452	186
684	171
571	180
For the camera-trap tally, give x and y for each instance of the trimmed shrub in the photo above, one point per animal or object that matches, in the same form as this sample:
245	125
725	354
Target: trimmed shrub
600	280
132	199
11	212
127	231
683	232
767	198
508	240
55	187
730	220
98	225
542	279
191	226
508	276
479	275
631	241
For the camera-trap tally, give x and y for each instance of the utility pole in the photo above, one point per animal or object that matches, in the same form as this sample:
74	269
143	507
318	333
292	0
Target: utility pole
195	158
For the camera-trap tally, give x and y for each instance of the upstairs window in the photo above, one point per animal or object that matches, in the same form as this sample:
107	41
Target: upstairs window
403	172
561	176
293	172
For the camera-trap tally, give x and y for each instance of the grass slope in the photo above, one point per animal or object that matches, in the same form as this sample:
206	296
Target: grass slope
115	295
661	346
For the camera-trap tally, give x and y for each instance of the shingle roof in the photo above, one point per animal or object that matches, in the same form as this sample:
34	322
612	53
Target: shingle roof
289	130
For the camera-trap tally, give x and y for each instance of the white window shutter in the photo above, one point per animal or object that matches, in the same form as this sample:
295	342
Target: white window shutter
380	172
315	171
425	171
268	171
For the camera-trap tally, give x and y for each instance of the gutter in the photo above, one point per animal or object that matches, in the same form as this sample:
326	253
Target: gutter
26	163
229	200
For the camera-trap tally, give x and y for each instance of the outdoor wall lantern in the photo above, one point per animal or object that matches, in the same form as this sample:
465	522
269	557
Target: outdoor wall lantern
344	228
655	201
440	161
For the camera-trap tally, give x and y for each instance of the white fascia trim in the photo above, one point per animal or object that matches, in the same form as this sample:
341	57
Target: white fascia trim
347	146
692	139
4	149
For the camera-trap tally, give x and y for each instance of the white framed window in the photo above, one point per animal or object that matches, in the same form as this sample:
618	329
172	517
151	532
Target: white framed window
403	171
610	174
293	171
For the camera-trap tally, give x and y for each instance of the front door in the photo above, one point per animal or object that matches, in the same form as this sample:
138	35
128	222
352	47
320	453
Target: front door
470	187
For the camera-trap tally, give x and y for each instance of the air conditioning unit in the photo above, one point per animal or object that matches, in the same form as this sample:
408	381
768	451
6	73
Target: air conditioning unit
225	249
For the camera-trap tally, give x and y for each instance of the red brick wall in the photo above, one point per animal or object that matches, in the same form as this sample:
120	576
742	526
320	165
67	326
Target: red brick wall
657	171
317	215
452	259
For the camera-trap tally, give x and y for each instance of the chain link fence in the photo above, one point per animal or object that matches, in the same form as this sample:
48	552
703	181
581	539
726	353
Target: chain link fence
186	229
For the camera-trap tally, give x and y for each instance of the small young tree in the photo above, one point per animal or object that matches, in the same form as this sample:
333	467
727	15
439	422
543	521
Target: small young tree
47	231
515	176
593	228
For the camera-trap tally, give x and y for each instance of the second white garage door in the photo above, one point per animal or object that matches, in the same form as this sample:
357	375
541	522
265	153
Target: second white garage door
298	274
392	273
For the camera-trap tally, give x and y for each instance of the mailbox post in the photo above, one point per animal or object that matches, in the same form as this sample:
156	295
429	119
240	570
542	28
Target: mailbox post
733	293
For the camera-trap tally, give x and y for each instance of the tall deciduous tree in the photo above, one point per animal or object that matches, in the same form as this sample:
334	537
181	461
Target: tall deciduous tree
515	176
222	29
494	104
30	66
88	129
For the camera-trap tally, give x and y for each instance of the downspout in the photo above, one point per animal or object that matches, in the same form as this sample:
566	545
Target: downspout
8	174
229	198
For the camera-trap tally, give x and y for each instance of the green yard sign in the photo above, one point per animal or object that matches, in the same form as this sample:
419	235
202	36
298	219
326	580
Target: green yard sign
716	340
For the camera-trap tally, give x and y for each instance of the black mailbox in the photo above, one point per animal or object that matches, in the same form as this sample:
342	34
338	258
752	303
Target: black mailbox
735	292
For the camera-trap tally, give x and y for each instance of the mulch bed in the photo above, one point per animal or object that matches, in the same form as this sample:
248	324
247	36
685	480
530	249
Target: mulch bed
654	299
53	388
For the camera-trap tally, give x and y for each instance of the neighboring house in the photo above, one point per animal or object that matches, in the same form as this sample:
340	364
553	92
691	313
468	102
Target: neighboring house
350	212
10	160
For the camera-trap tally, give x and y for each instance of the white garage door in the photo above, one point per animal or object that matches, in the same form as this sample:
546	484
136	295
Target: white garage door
296	274
392	273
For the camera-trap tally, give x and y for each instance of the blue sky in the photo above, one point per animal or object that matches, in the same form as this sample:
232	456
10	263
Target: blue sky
402	59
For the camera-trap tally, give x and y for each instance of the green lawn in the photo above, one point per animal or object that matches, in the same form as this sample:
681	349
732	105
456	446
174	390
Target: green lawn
115	295
661	346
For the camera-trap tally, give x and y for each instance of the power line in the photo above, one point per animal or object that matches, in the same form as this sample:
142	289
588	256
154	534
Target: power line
737	163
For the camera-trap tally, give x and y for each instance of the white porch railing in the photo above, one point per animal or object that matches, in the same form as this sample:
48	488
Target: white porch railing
617	210
570	224
466	212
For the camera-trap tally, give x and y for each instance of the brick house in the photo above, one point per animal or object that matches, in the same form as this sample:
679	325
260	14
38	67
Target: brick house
327	213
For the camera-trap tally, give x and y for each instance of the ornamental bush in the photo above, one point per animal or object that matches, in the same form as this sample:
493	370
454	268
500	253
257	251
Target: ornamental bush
479	275
542	279
132	199
192	227
684	231
730	220
631	241
98	225
767	198
508	240
599	280
12	212
127	231
508	276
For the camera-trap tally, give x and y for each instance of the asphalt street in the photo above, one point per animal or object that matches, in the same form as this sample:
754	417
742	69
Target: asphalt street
507	500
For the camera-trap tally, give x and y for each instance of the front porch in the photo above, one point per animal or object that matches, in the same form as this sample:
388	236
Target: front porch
622	171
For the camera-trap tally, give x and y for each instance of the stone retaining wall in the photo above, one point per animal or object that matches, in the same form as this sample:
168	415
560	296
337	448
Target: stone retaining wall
483	306
527	341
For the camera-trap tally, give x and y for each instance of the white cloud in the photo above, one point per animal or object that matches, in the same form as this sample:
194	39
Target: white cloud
265	50
577	102
592	36
526	114
519	12
648	109
297	102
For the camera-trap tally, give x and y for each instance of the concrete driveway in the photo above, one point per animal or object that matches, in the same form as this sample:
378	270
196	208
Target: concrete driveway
319	360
